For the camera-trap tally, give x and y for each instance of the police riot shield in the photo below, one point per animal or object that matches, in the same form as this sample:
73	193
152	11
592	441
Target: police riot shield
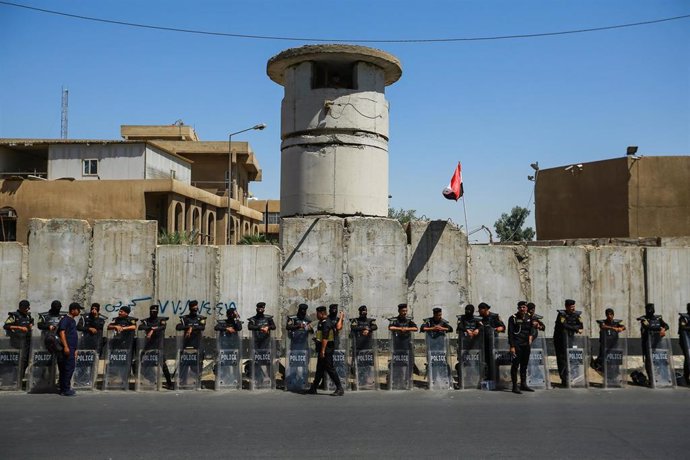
42	364
471	360
86	365
503	360
228	361
118	360
189	364
149	363
340	362
437	358
401	365
661	358
537	367
576	359
297	354
365	357
262	353
12	354
614	360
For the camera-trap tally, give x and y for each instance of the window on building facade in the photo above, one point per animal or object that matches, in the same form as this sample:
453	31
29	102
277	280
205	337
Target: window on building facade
333	75
90	168
271	218
8	224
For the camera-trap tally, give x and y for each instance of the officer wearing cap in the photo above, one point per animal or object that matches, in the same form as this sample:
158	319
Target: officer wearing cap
402	327
520	336
684	333
299	325
468	324
337	320
609	328
362	329
537	323
652	329
154	335
492	326
568	323
193	325
231	325
91	326
125	327
69	338
261	325
436	326
18	326
47	323
324	342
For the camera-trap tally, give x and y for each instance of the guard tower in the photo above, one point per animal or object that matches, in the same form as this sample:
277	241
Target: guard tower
334	129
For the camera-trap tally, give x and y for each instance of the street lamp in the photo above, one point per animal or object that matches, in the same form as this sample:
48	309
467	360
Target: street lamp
257	127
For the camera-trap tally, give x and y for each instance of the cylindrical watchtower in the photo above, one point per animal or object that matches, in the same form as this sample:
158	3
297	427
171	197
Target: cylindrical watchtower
334	129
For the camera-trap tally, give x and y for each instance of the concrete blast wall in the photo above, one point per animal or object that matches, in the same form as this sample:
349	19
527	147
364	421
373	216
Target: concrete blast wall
349	261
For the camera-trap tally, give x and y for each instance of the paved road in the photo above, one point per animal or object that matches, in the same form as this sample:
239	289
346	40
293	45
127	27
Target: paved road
632	423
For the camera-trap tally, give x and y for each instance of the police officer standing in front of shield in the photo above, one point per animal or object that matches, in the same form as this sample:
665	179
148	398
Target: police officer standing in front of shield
568	323
493	326
91	326
652	328
47	323
337	320
325	344
362	329
299	322
230	325
520	336
436	325
262	325
684	332
154	328
18	327
537	322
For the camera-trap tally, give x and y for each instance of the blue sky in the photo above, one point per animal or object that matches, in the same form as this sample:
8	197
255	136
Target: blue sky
497	105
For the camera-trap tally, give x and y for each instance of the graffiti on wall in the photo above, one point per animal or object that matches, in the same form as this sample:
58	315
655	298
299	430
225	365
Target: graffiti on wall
175	307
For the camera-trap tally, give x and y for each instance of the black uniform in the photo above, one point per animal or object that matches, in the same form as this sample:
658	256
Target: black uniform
256	322
325	330
650	328
125	339
333	318
468	323
358	326
567	325
20	340
48	322
198	324
608	339
157	327
684	333
298	330
402	339
91	340
227	339
539	327
489	325
520	333
431	322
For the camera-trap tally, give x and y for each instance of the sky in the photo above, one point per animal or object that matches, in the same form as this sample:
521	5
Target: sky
495	105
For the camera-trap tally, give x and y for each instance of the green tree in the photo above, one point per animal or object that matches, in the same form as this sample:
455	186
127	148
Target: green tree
403	215
182	237
257	239
509	226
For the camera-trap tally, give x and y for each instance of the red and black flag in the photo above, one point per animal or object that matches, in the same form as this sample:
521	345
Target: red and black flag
455	190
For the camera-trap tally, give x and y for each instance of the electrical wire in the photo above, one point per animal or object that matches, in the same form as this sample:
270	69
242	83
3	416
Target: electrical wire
332	40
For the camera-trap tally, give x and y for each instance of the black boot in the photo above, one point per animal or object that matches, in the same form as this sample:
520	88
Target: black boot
524	387
516	390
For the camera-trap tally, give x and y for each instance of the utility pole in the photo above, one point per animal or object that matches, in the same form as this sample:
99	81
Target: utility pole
63	118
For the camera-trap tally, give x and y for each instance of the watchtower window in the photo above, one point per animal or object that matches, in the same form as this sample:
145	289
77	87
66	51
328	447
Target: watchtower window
327	74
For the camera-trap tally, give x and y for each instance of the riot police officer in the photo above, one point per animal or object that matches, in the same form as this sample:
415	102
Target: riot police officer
568	323
402	328
299	322
18	327
262	325
362	329
492	326
325	345
652	329
468	324
193	325
91	326
684	333
520	336
337	320
125	326
436	326
154	329
47	323
537	323
609	328
231	325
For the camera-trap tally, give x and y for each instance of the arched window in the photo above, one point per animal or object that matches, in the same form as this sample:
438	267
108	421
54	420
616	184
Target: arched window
8	224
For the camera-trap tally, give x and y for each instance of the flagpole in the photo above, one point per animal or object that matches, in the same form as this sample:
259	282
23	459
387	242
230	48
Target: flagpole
464	209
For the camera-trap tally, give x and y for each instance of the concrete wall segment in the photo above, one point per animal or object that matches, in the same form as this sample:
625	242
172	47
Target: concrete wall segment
59	257
668	283
495	278
13	276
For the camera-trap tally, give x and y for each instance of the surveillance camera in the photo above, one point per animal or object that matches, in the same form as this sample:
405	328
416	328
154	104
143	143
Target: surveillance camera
579	166
568	168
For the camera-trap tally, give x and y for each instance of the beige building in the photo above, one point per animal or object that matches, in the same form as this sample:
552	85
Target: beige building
271	217
162	173
633	196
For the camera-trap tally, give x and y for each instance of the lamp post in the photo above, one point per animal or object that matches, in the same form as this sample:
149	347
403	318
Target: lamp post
257	127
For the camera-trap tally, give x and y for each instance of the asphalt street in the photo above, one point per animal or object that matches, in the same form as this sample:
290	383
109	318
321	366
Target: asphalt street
634	423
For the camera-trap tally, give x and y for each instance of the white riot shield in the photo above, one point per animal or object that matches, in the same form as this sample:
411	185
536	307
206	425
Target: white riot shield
42	367
537	368
189	365
401	365
437	357
297	357
614	360
118	360
660	357
149	364
228	361
365	362
340	363
503	361
86	362
685	347
576	360
470	360
12	353
262	353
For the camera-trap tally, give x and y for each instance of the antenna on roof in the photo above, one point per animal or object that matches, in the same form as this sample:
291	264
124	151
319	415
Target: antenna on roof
63	118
